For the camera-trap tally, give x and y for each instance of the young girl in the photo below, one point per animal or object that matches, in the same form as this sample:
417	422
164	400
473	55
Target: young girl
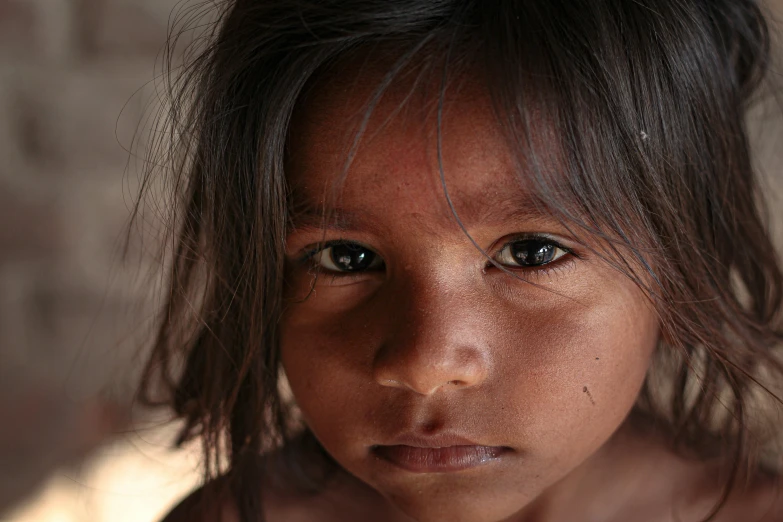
480	261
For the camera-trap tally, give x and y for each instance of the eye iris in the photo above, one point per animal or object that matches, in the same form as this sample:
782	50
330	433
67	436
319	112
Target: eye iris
351	258
533	253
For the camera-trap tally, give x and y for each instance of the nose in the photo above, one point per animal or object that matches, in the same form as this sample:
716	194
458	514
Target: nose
437	342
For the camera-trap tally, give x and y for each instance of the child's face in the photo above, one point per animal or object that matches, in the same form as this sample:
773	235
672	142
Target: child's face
411	334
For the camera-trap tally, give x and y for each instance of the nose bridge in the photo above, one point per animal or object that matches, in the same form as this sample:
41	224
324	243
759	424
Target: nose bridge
434	339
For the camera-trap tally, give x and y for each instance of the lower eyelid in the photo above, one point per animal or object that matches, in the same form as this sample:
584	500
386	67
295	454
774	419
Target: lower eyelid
562	265
564	262
341	279
316	270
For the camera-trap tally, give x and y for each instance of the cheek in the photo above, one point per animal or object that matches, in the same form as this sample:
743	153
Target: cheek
569	362
326	352
572	371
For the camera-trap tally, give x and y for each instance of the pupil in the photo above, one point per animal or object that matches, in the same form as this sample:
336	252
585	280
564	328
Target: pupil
533	252
351	258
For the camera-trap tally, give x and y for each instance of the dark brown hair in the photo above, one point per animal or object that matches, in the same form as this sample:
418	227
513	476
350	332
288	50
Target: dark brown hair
647	100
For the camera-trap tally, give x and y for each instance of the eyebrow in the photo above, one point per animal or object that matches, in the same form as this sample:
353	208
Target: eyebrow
482	211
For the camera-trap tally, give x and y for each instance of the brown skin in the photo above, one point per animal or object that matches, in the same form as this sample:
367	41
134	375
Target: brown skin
636	479
437	339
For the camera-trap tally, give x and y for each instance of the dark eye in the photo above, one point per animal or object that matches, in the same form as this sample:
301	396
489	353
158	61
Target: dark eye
529	253
347	257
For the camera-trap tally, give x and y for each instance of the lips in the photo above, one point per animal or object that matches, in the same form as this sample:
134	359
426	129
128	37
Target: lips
438	454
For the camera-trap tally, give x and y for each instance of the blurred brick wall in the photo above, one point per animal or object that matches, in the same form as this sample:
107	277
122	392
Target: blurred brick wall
69	75
74	87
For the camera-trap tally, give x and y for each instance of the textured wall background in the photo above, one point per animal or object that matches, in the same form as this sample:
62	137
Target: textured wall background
69	70
71	314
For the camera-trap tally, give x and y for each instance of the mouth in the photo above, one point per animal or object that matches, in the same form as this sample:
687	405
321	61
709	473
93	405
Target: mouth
439	454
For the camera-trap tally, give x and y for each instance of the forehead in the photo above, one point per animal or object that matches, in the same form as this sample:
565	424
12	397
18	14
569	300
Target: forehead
395	162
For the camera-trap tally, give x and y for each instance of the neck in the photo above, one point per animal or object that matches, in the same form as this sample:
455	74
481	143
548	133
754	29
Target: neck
634	472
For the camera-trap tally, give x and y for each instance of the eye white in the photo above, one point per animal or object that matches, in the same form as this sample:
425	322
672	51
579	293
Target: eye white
324	259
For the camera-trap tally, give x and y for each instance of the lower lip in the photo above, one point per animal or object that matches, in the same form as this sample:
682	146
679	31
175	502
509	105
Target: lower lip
439	460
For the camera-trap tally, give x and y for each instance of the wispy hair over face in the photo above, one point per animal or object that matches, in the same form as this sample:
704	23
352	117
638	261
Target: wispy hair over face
645	148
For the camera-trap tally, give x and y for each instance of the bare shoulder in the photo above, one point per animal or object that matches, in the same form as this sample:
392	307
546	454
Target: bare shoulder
343	499
209	503
766	500
761	501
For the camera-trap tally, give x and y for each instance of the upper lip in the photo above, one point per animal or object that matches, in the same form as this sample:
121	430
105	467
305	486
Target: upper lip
440	440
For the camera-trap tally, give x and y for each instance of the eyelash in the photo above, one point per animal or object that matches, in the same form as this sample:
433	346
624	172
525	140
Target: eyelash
545	270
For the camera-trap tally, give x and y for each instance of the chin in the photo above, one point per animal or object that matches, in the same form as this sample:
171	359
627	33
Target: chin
429	505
